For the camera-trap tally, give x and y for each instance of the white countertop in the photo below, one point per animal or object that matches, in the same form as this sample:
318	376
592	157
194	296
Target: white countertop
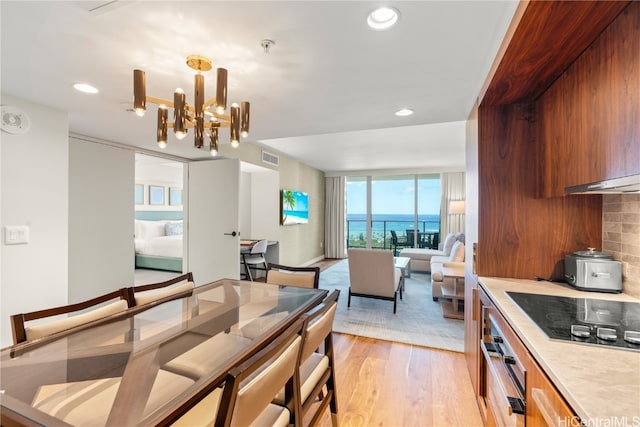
602	385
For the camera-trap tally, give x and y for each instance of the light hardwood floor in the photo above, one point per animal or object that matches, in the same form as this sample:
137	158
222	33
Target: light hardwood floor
382	383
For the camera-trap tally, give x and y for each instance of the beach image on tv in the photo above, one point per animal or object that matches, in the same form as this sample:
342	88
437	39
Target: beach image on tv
295	207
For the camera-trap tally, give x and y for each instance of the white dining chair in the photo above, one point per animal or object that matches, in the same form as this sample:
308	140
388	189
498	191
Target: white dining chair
255	257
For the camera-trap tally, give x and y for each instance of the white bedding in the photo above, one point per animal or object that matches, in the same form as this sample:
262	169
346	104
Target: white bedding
158	238
168	246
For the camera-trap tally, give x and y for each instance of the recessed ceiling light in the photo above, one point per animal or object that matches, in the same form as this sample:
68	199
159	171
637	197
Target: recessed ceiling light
383	18
404	112
84	87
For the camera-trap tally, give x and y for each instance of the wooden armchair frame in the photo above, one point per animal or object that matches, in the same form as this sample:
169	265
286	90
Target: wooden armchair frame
18	320
187	277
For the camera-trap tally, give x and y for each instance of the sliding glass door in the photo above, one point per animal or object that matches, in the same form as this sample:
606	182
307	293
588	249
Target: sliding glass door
393	208
392	212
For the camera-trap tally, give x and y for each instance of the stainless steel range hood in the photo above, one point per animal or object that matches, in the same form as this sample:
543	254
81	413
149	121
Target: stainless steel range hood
624	185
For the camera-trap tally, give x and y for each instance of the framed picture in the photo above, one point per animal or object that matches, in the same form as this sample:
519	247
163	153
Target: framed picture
175	196
139	194
156	195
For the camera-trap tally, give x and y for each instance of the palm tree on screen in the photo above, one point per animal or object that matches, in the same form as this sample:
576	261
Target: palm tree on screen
289	201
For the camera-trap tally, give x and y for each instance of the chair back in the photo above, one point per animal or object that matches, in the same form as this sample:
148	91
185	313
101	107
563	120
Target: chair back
260	247
319	324
302	277
22	333
146	294
242	402
372	272
410	237
394	237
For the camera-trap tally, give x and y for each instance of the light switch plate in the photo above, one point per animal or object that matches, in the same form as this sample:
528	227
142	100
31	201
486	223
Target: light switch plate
16	234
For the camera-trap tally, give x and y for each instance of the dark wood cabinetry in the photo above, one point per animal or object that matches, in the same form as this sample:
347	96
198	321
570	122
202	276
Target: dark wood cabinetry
588	121
542	403
555	115
561	108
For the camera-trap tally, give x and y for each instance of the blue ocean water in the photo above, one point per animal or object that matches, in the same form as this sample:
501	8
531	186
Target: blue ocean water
381	224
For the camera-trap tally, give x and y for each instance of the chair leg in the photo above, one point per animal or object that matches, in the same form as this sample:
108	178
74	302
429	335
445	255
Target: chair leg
246	266
349	298
395	302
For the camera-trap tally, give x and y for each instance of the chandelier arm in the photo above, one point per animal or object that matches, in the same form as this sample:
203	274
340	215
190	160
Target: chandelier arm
210	102
159	101
225	117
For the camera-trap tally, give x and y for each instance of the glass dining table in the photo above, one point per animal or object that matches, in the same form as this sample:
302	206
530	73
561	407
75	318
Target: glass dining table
149	364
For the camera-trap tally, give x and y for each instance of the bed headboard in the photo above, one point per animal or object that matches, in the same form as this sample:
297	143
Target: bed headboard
158	215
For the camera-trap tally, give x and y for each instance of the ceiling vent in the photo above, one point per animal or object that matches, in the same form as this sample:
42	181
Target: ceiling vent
269	158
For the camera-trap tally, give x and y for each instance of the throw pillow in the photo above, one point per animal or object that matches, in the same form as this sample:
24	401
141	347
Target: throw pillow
457	252
448	244
173	229
460	237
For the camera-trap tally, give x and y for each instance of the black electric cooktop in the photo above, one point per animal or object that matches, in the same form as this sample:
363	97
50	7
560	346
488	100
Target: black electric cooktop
614	324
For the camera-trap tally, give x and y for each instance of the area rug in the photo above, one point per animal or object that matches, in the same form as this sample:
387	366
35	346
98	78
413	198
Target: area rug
418	319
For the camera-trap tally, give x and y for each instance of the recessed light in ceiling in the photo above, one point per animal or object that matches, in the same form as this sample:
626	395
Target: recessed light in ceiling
404	112
383	18
84	87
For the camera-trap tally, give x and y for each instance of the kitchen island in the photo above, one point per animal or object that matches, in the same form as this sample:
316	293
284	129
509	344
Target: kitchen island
601	384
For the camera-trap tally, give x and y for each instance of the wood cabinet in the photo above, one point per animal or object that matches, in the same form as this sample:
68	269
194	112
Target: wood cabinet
588	121
544	405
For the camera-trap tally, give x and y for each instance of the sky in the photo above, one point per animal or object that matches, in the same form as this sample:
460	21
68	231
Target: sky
394	196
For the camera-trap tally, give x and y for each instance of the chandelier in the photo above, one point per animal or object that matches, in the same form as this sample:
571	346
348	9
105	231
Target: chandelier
204	117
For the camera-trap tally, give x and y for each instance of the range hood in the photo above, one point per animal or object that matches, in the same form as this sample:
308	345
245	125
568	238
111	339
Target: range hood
624	185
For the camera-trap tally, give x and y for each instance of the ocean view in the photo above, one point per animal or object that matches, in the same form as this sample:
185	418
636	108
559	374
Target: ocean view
382	224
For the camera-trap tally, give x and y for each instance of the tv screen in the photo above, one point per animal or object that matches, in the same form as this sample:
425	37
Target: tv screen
294	207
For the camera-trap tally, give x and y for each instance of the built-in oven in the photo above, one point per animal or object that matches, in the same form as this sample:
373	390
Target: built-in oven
503	382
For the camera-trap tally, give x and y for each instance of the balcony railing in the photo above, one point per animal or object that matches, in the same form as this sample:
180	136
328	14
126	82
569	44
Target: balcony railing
381	234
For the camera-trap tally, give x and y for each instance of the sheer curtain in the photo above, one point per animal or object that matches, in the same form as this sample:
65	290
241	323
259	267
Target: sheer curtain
334	217
452	185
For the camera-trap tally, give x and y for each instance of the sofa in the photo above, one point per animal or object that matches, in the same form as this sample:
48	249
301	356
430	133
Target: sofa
451	254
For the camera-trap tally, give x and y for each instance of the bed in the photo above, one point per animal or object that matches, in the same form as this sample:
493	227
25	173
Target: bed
158	240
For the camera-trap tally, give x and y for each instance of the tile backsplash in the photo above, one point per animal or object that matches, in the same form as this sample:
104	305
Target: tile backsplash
621	236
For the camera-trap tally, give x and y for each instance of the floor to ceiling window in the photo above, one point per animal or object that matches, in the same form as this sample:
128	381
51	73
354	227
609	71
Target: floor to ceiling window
391	212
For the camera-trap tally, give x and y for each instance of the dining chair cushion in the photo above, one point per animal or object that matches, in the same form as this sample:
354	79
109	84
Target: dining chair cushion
300	279
258	326
88	403
260	389
45	329
204	413
154	295
317	332
311	372
205	357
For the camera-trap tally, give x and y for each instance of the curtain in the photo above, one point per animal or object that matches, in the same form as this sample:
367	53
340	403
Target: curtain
334	217
452	186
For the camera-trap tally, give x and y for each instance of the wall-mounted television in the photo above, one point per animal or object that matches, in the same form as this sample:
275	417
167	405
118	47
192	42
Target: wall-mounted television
294	207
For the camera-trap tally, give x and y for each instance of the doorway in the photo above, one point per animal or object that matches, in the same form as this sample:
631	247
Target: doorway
158	218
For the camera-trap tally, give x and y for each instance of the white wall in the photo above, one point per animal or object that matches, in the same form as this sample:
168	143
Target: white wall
34	182
245	208
101	252
265	205
150	170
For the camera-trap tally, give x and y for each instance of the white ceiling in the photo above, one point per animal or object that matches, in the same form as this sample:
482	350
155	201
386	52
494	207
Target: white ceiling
325	93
